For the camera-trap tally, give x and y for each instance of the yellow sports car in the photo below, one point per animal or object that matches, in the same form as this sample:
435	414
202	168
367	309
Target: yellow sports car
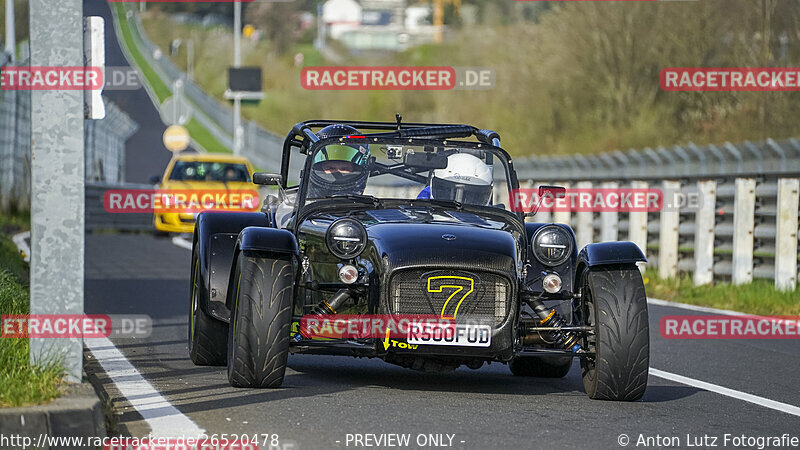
193	182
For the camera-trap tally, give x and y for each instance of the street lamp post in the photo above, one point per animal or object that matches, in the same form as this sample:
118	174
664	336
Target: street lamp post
238	132
11	38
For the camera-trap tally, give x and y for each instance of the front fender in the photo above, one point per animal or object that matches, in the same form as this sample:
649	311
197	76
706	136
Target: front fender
215	237
267	240
605	253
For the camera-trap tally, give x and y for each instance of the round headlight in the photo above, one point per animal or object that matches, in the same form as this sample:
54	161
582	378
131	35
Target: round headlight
346	238
552	245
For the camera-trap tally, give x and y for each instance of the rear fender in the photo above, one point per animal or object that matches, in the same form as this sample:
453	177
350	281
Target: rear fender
215	235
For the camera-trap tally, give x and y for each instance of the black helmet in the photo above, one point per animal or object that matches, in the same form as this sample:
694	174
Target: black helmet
338	129
338	168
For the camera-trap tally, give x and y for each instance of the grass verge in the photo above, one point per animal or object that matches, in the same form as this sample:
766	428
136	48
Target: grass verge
198	132
759	297
22	384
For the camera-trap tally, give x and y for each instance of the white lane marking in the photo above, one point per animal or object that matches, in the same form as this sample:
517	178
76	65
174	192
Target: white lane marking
723	312
181	242
744	396
705	309
22	246
163	418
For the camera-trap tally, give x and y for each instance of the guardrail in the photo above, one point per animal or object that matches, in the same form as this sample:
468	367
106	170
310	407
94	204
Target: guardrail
97	218
261	147
731	227
104	142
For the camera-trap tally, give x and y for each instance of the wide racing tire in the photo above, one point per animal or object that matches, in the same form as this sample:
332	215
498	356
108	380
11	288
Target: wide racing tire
616	305
261	316
542	367
208	336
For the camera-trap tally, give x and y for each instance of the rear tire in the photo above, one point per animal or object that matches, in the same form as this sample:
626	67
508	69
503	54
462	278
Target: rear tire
207	336
534	366
616	304
261	316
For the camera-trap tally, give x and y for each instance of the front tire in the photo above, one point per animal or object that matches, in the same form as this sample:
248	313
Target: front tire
261	316
207	336
534	366
614	302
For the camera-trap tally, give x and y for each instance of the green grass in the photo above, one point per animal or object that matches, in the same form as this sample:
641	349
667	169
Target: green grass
202	136
198	132
758	297
153	80
22	384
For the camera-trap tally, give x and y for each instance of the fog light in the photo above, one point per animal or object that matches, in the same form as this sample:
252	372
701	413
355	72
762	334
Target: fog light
349	274
551	283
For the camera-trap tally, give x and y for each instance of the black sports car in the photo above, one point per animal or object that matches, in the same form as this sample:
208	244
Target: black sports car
398	243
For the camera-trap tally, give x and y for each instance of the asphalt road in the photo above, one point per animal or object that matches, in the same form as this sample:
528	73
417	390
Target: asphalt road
145	154
325	398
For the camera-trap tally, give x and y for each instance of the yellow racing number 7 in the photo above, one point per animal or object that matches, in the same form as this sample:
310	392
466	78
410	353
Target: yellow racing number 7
457	289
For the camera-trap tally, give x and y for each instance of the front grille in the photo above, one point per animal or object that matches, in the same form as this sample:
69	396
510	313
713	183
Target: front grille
425	291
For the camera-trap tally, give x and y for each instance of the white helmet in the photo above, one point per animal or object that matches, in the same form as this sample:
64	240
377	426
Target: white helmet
466	179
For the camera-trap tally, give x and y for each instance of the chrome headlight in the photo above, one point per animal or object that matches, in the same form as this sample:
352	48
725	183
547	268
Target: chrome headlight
551	245
346	238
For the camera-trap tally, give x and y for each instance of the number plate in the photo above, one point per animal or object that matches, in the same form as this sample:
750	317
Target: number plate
462	335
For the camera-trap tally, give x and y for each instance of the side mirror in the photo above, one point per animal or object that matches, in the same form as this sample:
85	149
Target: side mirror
267	179
552	191
155	179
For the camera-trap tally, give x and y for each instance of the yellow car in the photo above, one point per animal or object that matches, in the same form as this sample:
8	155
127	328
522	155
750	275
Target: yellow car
200	175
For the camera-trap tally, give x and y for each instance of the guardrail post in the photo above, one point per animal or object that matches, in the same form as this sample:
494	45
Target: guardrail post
668	232
743	226
637	223
585	228
704	233
563	216
57	187
786	236
609	219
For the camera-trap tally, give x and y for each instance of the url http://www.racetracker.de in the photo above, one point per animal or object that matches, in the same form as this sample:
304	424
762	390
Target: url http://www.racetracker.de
262	441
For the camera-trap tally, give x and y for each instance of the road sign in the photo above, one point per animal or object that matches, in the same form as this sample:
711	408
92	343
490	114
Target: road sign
248	31
244	79
176	138
176	110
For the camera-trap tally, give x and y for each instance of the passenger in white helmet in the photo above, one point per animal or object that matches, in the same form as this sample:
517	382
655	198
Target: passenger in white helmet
466	179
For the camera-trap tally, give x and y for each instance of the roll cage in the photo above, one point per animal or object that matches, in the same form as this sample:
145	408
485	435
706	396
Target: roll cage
303	138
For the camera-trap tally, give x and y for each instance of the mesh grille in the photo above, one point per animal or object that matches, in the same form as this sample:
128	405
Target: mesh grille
420	291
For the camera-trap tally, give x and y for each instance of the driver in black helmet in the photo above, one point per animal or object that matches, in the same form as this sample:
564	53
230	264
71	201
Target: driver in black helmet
338	168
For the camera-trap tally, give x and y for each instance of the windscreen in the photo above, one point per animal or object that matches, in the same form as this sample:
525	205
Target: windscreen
209	171
396	171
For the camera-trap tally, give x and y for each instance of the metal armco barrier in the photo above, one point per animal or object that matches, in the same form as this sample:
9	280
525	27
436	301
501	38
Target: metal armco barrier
261	147
97	218
728	227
